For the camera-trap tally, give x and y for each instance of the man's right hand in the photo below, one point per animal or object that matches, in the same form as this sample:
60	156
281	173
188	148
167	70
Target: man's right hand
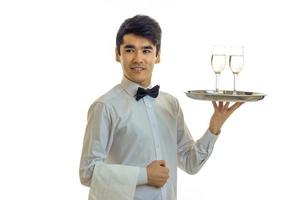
158	173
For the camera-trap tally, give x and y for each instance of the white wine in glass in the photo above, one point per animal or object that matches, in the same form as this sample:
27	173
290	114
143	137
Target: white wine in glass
218	62
236	63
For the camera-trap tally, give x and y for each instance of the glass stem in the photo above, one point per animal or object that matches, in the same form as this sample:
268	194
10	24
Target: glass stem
217	82
234	82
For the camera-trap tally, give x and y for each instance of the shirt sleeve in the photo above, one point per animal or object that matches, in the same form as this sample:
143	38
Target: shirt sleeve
97	143
191	155
142	177
113	182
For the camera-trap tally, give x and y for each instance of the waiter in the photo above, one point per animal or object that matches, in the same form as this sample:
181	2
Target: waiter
136	136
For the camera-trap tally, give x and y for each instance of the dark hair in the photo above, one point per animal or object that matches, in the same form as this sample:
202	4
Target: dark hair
140	25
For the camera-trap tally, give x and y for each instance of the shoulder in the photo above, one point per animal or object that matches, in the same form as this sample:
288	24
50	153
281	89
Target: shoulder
110	95
107	100
168	98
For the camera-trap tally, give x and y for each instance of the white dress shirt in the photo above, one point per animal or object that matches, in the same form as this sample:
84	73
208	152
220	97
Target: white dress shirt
123	131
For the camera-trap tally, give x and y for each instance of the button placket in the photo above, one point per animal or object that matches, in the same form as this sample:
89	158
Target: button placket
153	128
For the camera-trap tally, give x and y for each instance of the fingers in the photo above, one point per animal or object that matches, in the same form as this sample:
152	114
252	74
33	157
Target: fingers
215	104
164	177
157	173
226	105
161	163
221	105
235	106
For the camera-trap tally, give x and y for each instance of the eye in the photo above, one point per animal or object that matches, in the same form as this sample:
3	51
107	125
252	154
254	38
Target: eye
129	50
146	51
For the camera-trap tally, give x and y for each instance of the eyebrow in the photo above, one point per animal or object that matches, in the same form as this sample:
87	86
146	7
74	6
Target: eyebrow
147	47
130	46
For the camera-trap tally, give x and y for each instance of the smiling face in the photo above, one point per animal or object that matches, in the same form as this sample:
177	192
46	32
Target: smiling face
137	57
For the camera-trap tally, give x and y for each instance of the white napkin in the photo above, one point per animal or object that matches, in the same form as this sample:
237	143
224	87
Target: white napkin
113	182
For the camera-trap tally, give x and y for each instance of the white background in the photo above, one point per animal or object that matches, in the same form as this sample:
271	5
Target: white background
57	57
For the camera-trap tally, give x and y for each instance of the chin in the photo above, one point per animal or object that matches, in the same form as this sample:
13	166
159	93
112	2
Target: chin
138	79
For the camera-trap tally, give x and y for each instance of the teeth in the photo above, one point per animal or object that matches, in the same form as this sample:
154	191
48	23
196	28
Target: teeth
138	68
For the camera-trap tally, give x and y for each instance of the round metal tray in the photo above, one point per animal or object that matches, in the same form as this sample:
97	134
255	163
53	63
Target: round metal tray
225	95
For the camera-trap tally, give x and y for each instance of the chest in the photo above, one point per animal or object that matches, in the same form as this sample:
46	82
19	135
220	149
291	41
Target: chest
145	122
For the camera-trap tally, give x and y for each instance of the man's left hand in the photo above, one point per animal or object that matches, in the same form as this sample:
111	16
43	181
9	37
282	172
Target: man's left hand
220	115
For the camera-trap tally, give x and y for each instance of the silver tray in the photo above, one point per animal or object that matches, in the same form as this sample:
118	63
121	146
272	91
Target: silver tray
225	95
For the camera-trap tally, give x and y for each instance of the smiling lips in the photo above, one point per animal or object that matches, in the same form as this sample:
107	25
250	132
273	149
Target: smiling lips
137	69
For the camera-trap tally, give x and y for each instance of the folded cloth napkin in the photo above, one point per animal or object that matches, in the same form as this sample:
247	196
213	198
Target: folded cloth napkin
113	182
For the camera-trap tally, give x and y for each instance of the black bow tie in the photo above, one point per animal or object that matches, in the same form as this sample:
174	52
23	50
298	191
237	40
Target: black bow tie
141	92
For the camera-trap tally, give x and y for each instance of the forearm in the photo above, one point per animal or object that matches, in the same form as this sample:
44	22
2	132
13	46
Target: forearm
87	168
111	180
193	155
86	171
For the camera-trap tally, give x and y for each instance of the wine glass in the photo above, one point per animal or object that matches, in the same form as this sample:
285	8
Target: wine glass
236	63
218	62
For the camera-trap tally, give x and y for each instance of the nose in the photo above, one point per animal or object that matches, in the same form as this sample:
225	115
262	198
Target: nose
138	57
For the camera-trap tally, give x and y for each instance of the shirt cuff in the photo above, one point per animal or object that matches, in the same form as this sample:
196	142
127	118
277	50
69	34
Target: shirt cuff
209	137
142	177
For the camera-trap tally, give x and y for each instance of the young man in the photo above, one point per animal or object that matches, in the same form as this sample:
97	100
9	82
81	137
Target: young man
136	136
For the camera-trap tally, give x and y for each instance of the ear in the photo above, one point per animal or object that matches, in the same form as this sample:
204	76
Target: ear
117	56
157	58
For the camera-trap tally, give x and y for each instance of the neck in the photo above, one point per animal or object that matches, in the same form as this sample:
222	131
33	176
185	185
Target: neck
144	84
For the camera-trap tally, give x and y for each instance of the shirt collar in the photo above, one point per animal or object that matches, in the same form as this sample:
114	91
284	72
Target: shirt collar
130	87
